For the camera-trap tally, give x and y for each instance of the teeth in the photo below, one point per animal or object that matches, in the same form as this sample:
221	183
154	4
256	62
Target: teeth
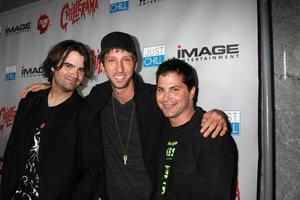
119	77
168	105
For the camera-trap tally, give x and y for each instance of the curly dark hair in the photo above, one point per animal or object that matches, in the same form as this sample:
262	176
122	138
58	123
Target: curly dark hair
58	54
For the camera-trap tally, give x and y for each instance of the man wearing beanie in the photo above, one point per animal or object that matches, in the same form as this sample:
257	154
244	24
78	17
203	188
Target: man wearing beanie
129	123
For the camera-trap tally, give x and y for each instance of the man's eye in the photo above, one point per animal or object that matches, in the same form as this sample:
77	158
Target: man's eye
159	89
68	65
82	70
128	59
110	60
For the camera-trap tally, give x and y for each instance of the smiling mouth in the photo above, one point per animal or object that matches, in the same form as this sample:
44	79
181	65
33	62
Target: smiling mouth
72	82
119	77
168	106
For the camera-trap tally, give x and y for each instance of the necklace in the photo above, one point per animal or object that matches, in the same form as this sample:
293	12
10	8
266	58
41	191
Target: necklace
125	155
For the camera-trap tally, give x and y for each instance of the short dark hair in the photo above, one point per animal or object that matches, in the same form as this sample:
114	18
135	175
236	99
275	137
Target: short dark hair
58	54
188	73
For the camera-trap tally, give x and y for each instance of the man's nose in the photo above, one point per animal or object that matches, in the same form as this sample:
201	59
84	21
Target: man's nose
120	66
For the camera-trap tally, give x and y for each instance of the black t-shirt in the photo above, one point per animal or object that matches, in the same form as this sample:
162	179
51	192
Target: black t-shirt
172	139
130	181
193	167
44	123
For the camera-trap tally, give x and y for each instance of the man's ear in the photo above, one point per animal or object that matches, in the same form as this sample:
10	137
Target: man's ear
102	66
192	93
52	69
135	66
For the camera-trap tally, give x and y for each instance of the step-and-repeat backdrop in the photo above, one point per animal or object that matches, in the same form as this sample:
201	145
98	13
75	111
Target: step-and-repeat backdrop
218	38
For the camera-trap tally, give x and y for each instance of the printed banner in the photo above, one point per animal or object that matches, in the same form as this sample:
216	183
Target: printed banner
218	38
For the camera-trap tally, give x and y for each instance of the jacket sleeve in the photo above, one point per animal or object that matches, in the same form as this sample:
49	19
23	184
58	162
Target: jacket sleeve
9	153
16	123
216	162
91	161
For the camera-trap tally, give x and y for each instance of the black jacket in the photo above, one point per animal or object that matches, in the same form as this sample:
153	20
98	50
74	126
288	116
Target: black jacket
59	161
150	122
201	168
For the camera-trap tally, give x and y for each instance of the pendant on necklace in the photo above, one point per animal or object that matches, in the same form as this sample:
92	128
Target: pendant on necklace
125	159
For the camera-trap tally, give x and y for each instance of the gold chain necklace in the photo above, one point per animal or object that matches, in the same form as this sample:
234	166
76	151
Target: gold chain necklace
125	155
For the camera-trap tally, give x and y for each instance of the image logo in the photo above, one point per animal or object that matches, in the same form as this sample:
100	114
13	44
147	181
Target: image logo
43	23
78	9
217	52
28	72
154	56
118	5
17	29
7	115
147	2
234	118
10	73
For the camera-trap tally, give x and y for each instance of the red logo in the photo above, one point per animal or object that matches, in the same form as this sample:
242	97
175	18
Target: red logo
98	67
76	10
43	125
237	191
43	23
7	116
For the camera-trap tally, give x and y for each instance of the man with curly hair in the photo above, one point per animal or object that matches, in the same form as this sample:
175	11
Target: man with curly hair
41	157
